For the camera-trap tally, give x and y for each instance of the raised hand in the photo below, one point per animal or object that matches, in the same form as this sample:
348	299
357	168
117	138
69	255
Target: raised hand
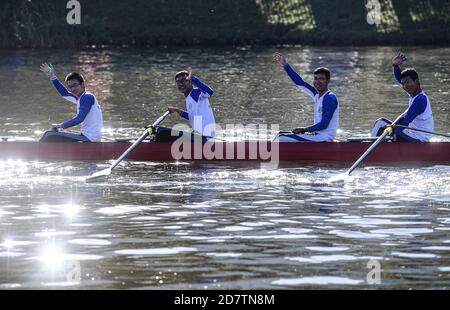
398	59
47	70
279	58
189	77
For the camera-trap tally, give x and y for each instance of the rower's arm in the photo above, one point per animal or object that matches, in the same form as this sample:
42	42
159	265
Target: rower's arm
206	90
296	78
63	91
397	73
417	107
86	102
184	114
329	106
180	112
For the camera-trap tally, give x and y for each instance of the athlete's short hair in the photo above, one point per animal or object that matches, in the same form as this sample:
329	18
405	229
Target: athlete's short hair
323	70
75	76
184	72
411	72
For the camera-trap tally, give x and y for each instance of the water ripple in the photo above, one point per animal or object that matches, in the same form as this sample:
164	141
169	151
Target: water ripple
156	251
318	280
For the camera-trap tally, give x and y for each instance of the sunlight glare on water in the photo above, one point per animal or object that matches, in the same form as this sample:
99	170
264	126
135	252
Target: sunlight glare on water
219	225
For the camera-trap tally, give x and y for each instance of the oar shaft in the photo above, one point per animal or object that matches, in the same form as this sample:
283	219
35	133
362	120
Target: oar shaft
374	145
160	119
106	172
132	147
426	131
138	141
367	152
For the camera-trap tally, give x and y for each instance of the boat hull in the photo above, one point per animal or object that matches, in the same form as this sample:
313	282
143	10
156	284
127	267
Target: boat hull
325	152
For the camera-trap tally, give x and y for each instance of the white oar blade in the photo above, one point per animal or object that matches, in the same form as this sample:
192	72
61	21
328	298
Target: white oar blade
341	177
99	174
107	172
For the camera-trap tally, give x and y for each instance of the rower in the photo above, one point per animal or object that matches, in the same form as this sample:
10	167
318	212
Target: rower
418	115
89	114
199	112
326	106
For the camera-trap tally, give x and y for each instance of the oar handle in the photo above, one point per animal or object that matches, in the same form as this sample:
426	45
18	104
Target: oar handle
282	132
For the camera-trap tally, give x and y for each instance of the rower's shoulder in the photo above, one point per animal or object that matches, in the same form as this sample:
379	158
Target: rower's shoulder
195	93
88	95
331	95
422	97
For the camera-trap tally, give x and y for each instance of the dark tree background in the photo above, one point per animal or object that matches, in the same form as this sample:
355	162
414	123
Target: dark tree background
42	23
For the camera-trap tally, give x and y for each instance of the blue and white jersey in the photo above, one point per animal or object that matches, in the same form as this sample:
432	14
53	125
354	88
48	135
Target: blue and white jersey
418	115
199	111
326	107
89	114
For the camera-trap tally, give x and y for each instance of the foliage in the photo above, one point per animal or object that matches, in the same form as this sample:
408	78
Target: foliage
42	24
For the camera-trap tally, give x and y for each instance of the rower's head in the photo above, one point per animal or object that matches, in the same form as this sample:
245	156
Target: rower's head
183	84
75	83
321	79
410	81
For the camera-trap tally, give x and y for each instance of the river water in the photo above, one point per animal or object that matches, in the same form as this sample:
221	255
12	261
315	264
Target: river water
190	226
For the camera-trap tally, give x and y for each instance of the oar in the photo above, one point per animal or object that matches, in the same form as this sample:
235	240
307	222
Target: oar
387	131
148	131
283	132
426	131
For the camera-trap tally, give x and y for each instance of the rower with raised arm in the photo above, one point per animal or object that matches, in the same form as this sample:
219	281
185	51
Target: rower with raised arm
199	112
89	114
326	106
418	115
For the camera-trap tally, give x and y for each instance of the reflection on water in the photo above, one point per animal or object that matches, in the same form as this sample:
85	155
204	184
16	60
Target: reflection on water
97	70
221	227
178	226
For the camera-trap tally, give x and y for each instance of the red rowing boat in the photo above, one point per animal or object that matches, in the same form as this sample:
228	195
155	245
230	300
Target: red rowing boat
325	152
